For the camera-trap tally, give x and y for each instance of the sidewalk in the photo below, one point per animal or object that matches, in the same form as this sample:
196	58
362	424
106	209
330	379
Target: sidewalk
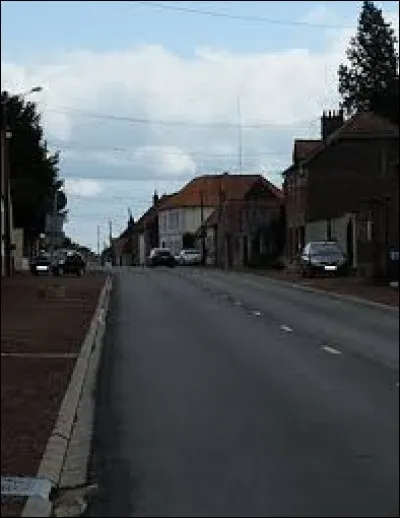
44	321
351	286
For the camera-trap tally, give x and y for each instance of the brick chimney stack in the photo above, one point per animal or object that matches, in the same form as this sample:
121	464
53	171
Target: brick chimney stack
155	198
330	122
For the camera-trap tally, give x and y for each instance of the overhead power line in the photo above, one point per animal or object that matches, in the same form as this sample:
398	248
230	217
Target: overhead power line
211	124
144	153
243	17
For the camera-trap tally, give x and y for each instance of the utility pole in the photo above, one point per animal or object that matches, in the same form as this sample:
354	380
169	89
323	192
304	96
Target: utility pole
54	223
98	241
240	136
203	237
111	241
130	229
5	173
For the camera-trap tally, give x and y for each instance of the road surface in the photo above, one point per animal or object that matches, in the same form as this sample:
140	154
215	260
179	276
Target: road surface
223	394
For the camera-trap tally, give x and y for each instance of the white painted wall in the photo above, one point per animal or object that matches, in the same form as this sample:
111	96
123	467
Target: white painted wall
173	223
316	230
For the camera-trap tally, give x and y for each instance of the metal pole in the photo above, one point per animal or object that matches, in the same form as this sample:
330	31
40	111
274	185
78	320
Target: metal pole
3	204
98	241
7	194
203	242
240	136
110	241
53	225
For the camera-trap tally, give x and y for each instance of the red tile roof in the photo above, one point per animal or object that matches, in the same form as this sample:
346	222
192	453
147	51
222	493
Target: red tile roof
209	187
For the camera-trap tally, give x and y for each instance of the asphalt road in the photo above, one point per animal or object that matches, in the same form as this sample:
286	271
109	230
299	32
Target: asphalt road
223	394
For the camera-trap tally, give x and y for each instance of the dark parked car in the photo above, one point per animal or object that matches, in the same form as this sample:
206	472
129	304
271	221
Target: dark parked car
41	264
323	257
68	262
161	257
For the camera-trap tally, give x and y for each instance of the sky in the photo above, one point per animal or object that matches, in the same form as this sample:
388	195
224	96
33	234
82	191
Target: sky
143	96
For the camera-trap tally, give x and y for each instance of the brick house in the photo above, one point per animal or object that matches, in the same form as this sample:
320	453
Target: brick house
349	195
295	184
135	242
185	212
240	230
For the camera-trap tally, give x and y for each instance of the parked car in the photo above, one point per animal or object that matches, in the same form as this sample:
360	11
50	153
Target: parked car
161	257
323	257
68	262
41	264
189	256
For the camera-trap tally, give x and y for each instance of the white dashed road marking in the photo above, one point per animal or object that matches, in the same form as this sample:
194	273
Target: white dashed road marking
330	350
256	313
286	328
238	303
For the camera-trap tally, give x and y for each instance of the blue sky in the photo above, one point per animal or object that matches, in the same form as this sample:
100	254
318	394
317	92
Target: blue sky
128	61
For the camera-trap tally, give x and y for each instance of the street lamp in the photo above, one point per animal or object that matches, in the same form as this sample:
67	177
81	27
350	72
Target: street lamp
5	180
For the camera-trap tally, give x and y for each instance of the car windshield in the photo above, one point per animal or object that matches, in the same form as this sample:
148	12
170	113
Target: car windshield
160	251
325	249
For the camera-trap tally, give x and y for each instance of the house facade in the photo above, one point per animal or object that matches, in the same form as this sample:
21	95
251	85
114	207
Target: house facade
350	191
187	211
295	186
242	230
134	244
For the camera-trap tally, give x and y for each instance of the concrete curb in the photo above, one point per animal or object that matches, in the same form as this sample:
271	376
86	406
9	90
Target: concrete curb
53	458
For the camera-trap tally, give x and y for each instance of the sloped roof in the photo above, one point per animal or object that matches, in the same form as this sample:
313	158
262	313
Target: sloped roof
146	218
207	189
365	123
149	216
229	208
303	148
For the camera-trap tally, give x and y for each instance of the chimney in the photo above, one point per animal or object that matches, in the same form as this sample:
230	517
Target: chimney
155	198
330	122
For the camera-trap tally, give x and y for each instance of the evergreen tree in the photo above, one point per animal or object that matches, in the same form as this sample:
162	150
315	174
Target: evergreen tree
34	175
370	80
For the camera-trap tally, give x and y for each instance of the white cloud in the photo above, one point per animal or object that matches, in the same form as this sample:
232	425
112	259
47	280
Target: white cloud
287	90
150	82
84	187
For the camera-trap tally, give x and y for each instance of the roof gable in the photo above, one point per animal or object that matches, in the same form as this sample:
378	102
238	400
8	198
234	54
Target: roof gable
210	190
361	125
303	148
